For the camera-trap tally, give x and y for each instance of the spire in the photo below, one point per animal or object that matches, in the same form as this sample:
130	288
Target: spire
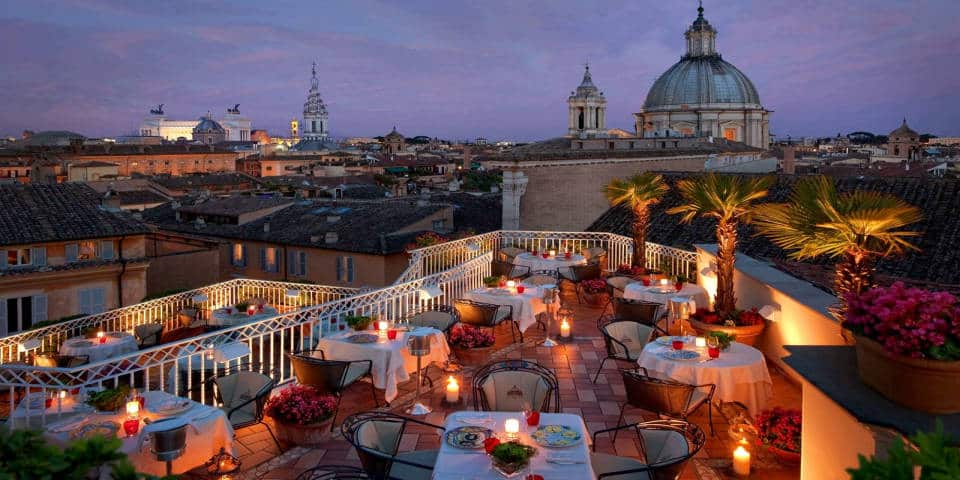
314	83
587	79
701	36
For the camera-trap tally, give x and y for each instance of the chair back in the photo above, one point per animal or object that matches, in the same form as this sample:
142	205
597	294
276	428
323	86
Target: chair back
505	269
376	438
647	313
45	360
507	254
663	397
616	284
442	317
623	337
236	389
668	445
540	280
327	376
477	314
187	316
168	445
148	334
585	272
513	385
597	256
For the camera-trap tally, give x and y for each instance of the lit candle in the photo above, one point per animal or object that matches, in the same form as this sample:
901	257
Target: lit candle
382	327
453	390
100	334
63	394
133	408
741	462
553	253
209	352
512	427
664	282
511	284
701	342
565	328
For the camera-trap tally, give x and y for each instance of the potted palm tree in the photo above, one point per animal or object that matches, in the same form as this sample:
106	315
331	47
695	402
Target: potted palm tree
859	227
638	193
730	200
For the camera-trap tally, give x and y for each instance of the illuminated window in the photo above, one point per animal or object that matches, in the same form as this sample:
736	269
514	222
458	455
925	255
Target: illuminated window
730	133
268	259
238	255
18	257
686	131
86	250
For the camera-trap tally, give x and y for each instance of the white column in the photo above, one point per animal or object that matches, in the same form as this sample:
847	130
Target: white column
514	186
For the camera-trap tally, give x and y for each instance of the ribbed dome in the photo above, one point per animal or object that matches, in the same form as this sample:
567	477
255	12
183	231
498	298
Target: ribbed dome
701	80
208	125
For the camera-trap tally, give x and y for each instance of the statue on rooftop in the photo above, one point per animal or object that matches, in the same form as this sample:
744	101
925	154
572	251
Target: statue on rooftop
158	110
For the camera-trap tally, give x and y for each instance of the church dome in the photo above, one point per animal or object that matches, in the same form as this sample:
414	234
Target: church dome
393	135
208	125
702	77
903	131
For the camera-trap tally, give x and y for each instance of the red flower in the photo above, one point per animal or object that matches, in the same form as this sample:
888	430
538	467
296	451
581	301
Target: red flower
780	428
469	337
301	405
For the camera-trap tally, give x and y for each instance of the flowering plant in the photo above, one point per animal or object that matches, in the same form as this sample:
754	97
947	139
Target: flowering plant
425	239
630	270
469	337
594	286
736	318
780	428
907	321
301	405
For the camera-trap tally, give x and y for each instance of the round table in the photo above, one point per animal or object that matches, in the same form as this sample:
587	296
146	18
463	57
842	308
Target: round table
221	318
696	294
538	263
740	373
117	343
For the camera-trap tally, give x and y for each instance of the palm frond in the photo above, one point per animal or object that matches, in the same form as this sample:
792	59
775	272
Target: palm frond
724	197
641	189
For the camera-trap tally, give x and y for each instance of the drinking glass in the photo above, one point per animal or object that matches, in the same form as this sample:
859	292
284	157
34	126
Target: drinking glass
677	344
520	288
713	347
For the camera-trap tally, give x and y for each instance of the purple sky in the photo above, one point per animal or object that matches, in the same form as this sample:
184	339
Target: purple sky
499	69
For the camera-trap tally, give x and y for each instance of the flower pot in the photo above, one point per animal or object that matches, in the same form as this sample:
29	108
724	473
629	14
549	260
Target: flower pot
785	457
473	356
305	435
746	335
510	470
595	299
931	386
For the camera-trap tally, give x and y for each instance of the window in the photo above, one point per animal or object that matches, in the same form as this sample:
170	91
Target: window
268	259
20	313
730	133
297	262
106	249
19	257
610	145
238	255
92	300
439	225
345	270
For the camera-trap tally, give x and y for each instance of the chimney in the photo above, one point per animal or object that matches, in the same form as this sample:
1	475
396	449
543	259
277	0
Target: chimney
266	227
331	237
789	162
467	161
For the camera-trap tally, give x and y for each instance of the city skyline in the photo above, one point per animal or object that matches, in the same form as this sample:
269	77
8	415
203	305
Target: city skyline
461	71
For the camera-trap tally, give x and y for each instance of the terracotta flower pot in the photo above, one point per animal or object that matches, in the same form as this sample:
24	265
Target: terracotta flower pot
931	386
595	299
746	335
785	457
305	435
473	356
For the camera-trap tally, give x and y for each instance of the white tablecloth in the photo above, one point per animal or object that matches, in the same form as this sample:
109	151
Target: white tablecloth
118	343
526	305
392	362
208	431
696	294
220	317
539	263
740	373
456	464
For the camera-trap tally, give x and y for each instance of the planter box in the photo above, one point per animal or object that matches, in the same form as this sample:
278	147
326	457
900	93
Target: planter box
595	299
473	356
745	335
931	386
305	435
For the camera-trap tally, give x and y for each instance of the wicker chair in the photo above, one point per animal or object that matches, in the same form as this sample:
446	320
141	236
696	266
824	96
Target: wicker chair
376	437
486	315
597	256
331	377
513	385
578	273
666	447
242	392
542	277
187	317
647	313
624	340
500	268
441	317
52	360
507	254
666	397
148	334
333	472
615	287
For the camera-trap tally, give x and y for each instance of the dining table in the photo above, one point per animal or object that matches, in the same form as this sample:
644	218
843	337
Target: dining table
550	263
208	430
391	361
695	294
526	306
230	316
559	462
114	344
740	372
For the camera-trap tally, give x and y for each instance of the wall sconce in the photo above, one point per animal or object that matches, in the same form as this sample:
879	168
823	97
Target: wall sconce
770	312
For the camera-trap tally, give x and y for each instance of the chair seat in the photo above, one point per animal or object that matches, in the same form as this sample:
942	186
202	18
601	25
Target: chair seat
604	464
243	416
402	471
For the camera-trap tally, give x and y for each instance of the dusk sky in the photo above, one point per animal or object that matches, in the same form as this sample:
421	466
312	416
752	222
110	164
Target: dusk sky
453	69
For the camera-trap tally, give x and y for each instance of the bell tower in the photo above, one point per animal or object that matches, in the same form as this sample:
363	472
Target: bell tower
587	109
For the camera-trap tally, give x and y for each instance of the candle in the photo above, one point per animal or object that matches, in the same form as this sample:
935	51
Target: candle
741	462
63	394
511	284
701	342
133	408
553	253
512	427
664	282
565	328
453	390
382	327
100	334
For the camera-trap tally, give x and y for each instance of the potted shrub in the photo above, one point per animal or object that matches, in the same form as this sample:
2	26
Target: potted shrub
926	456
491	282
631	271
594	291
779	430
110	400
472	346
511	457
744	325
358	322
908	345
302	415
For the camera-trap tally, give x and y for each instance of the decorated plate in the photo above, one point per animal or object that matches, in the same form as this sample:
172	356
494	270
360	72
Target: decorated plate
556	436
172	408
662	290
469	438
102	429
679	355
668	340
362	338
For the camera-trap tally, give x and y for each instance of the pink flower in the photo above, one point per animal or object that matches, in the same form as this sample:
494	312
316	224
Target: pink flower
301	405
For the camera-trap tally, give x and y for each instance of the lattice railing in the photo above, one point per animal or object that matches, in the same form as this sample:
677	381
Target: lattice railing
165	310
183	367
619	248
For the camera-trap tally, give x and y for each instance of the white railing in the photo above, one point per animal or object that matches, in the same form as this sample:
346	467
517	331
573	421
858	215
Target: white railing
183	367
432	259
165	310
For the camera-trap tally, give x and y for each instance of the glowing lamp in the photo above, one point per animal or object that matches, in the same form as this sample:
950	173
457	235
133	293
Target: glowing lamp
133	408
664	282
453	390
63	394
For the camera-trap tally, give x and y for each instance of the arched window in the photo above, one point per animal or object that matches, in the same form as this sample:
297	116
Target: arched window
580	119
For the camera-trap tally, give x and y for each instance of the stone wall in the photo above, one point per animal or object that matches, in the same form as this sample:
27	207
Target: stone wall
183	270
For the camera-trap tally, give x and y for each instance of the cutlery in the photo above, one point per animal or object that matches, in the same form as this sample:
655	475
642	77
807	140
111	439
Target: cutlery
565	461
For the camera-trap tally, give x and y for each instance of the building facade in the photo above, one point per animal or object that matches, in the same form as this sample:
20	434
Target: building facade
587	110
394	142
156	124
316	122
903	142
158	160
